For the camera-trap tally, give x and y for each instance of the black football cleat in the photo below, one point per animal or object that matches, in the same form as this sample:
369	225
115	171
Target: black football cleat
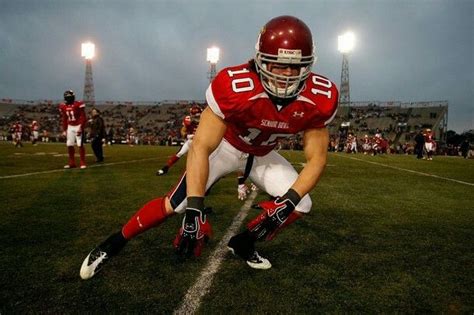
162	171
242	245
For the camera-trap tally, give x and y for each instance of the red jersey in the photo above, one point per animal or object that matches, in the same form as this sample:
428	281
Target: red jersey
73	114
428	137
254	122
34	126
17	128
190	125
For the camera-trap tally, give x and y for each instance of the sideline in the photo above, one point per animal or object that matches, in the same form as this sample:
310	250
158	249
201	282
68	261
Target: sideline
192	299
75	169
407	170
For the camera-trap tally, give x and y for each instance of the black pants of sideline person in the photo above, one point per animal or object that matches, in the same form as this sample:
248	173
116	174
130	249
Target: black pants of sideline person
419	151
96	144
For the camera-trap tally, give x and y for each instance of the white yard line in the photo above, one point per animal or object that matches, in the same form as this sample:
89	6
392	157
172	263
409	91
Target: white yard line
192	299
76	169
408	170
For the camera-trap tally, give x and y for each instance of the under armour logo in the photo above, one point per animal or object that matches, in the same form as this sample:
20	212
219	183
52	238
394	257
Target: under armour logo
298	114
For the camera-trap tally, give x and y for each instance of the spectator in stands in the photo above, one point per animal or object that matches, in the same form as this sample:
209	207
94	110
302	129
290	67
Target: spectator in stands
420	144
97	134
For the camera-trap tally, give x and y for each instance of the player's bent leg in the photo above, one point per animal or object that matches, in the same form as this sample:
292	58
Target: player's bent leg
150	215
71	160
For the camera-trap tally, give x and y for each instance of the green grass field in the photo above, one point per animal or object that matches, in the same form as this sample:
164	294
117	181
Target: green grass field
378	240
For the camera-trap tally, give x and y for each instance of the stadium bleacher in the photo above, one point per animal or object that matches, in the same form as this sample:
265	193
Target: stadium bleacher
156	122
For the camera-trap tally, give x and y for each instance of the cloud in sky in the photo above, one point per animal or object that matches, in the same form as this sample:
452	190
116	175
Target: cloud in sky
155	50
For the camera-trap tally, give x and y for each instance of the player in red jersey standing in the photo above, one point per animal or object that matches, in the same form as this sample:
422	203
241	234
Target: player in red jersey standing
73	117
17	133
430	144
190	124
250	107
34	132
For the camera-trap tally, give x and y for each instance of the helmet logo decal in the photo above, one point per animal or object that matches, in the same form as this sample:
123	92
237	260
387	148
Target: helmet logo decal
289	55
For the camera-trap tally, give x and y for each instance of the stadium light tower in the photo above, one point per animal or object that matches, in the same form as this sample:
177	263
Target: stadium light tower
212	58
88	52
346	44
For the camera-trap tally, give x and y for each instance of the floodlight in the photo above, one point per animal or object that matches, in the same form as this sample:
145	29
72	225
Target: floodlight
213	55
88	50
346	42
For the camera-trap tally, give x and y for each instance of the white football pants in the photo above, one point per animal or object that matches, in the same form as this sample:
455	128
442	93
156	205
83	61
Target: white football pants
271	173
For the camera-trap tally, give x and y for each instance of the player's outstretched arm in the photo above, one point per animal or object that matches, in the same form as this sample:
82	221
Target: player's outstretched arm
196	228
209	134
315	143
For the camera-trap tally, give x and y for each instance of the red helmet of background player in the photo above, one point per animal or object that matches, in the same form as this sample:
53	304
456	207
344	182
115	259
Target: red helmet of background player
195	112
284	40
69	96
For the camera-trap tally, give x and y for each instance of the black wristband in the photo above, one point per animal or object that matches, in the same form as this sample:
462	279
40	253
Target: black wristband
241	180
293	196
196	203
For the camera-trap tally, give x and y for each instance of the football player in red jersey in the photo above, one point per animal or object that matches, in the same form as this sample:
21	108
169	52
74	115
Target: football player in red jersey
250	107
190	124
34	132
430	144
188	129
73	117
17	134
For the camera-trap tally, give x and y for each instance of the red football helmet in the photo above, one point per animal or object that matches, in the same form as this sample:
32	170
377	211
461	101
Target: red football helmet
284	40
69	96
195	112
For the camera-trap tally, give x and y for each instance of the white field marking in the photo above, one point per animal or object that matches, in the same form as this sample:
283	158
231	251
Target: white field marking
78	169
408	170
192	299
303	164
46	153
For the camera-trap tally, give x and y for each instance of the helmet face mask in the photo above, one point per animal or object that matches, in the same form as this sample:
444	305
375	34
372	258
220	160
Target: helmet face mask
69	97
284	41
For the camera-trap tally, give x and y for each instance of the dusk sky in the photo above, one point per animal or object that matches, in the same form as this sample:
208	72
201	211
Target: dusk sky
413	50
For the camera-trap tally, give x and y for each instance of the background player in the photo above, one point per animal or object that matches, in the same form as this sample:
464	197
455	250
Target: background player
34	132
188	129
250	107
430	144
17	133
73	118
